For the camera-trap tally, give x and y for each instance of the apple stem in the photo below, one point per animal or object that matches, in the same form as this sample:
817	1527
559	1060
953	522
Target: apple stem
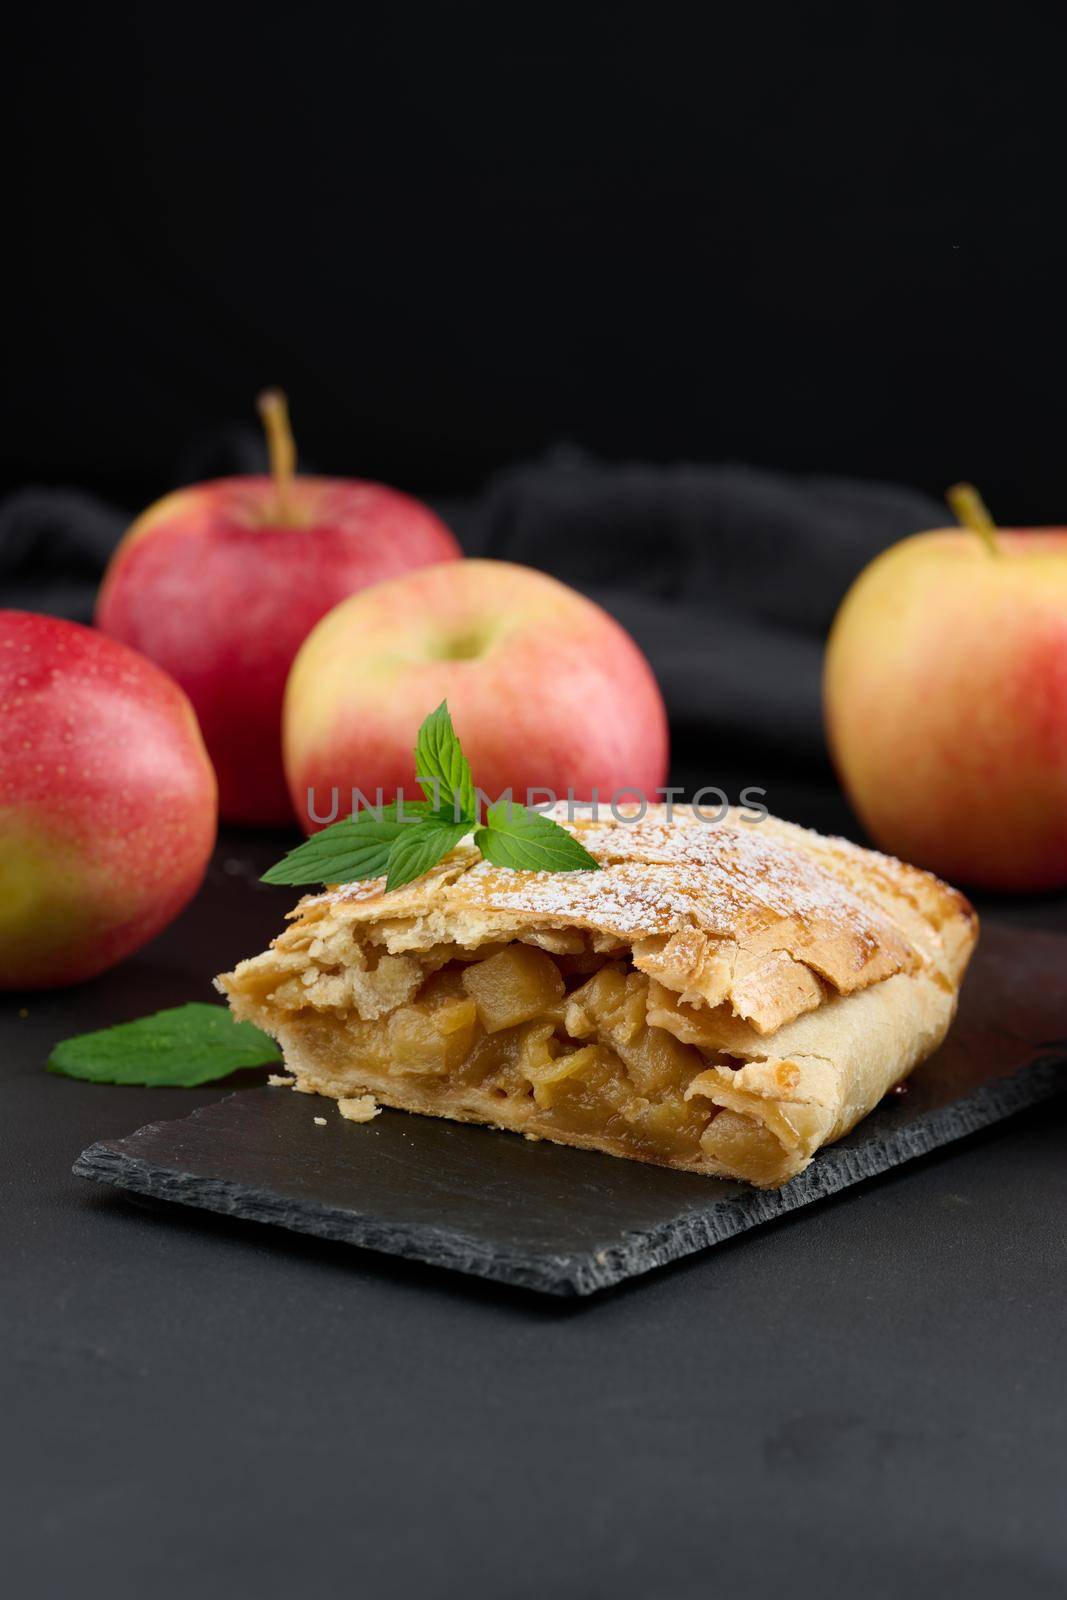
281	448
970	511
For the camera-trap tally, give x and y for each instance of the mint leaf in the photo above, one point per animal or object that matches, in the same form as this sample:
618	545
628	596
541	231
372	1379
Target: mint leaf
418	849
438	756
182	1047
516	837
356	847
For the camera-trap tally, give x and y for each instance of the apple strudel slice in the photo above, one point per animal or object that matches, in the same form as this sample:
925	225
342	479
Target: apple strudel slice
724	999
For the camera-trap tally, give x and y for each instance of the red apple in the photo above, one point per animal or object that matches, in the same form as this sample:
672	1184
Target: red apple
946	702
220	584
107	801
545	690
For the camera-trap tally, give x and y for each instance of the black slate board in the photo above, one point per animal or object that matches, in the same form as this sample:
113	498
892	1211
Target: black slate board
569	1222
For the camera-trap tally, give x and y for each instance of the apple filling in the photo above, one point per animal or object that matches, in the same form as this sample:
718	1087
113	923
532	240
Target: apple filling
555	1046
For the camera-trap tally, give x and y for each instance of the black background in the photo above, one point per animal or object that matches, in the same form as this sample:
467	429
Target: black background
821	237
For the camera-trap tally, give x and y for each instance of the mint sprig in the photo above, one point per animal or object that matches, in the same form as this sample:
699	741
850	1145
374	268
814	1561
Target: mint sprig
180	1048
401	844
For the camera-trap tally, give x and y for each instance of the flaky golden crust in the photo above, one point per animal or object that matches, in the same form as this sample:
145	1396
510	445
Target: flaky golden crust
812	975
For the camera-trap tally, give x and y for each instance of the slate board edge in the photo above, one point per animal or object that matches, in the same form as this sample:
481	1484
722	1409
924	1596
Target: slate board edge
839	1167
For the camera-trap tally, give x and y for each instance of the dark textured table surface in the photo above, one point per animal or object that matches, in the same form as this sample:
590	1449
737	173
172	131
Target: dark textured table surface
871	1392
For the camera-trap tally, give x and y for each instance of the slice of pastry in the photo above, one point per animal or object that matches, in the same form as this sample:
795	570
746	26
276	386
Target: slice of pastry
720	998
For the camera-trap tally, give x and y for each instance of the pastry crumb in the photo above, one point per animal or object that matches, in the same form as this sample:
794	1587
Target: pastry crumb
359	1107
319	1121
280	1080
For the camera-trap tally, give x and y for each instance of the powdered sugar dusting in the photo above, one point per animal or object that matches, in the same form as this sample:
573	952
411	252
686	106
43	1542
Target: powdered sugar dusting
739	867
631	898
658	876
733	879
362	889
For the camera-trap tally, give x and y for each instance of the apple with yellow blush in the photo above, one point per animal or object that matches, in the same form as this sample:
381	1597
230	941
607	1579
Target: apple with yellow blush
220	584
107	801
545	689
946	701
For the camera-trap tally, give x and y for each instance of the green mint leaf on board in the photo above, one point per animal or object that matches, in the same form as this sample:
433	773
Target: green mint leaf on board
516	837
418	849
443	770
181	1048
356	847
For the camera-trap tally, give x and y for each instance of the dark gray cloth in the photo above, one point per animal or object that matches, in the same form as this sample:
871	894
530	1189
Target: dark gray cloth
727	577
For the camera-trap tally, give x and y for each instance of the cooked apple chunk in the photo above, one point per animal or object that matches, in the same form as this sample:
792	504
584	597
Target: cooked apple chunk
516	985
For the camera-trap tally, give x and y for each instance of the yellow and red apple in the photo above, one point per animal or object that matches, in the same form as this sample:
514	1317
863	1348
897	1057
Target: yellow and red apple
946	702
546	690
107	801
219	584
